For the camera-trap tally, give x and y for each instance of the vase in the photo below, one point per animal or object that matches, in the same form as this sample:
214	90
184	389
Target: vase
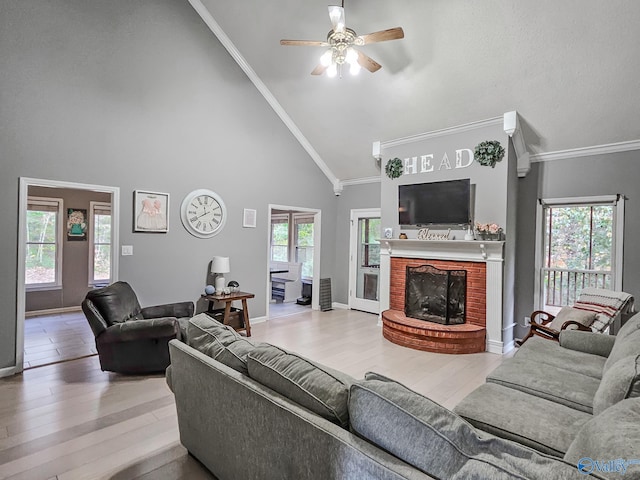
489	236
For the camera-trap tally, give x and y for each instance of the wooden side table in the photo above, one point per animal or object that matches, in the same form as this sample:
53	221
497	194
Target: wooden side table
228	300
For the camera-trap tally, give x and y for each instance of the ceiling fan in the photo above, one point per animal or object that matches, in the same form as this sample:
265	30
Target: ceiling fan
341	42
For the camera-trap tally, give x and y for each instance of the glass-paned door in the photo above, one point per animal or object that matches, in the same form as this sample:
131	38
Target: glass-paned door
365	260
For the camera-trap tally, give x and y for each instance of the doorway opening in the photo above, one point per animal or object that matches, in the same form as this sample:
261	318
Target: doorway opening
67	245
293	260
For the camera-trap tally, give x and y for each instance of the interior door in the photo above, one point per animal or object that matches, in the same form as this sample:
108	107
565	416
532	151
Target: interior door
364	260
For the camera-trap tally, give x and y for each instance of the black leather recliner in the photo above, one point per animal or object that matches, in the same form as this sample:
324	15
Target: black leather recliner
131	339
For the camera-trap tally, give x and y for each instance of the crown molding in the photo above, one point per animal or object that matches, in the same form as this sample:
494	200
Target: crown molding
445	131
587	151
208	19
361	181
513	129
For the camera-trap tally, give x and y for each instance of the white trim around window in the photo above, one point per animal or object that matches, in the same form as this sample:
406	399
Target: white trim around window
617	201
98	208
51	205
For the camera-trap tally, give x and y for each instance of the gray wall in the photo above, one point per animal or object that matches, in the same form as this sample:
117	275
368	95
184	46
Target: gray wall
353	196
595	175
75	255
141	95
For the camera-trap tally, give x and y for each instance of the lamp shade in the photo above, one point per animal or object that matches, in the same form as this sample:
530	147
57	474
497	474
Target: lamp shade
220	265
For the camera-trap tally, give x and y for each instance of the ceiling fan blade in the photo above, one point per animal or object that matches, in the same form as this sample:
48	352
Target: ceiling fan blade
368	62
383	35
336	15
319	70
304	43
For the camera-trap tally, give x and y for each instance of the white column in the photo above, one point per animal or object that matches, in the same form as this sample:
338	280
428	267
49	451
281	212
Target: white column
494	306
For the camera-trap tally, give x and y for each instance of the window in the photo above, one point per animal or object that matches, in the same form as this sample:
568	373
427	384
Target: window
581	248
303	243
370	242
280	238
43	260
100	244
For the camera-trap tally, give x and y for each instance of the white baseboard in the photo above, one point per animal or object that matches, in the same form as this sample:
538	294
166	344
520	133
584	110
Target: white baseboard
341	306
7	372
261	319
493	346
52	311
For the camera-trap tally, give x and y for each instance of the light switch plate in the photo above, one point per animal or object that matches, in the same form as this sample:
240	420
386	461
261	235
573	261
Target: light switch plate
127	250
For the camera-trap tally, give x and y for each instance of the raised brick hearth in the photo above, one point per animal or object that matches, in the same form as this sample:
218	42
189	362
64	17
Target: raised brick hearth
434	337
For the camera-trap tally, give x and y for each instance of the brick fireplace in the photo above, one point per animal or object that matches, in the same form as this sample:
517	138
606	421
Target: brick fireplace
483	263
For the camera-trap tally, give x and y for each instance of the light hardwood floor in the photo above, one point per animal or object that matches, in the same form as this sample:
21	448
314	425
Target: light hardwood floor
57	338
73	421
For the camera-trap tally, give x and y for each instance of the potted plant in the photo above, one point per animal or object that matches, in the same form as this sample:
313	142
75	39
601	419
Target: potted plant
489	231
488	153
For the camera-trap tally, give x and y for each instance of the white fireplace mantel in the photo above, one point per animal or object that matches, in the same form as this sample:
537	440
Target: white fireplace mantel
462	250
489	252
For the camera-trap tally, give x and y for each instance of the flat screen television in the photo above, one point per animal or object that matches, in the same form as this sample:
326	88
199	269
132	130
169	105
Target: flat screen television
436	203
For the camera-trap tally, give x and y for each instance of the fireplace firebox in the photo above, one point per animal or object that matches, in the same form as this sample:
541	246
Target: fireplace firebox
436	295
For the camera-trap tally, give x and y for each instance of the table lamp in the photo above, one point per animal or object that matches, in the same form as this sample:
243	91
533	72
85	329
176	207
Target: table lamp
220	266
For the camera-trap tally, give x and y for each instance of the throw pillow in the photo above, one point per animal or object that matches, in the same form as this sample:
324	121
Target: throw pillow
620	381
569	313
218	341
437	441
613	438
320	390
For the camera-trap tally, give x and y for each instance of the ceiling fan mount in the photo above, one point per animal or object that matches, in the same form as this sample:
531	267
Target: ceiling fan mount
341	42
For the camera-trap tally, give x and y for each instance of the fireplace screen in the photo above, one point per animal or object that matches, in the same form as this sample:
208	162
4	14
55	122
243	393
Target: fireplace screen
435	295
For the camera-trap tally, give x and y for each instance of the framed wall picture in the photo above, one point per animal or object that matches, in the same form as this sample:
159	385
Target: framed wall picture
150	212
76	224
249	218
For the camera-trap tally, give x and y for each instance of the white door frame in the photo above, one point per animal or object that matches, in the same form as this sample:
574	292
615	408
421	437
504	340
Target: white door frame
317	225
25	183
371	306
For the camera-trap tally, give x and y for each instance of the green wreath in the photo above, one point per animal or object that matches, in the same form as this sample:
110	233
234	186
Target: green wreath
488	153
394	168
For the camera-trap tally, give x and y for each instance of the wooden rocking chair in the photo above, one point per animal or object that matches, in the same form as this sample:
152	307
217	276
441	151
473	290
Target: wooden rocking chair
606	306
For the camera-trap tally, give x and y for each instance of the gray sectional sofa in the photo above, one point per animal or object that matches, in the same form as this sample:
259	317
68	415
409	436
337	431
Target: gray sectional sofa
576	399
257	411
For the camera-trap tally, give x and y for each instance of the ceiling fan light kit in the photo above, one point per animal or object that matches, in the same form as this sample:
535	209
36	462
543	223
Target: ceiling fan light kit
341	42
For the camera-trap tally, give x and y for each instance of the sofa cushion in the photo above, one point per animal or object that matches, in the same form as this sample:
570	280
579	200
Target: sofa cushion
540	351
621	381
567	314
630	326
613	436
587	342
321	390
219	341
572	389
438	442
547	426
626	345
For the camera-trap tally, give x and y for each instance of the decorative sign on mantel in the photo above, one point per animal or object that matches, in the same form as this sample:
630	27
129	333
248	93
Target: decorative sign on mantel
423	234
425	164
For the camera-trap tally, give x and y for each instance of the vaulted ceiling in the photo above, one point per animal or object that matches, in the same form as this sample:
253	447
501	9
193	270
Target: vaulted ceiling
571	68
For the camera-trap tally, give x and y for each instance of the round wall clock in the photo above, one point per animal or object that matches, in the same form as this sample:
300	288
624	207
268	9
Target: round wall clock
203	213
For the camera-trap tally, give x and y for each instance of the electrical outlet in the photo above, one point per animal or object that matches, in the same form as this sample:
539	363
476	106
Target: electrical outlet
527	321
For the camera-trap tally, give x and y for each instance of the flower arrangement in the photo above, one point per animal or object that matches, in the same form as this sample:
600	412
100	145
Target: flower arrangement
488	153
489	231
393	168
